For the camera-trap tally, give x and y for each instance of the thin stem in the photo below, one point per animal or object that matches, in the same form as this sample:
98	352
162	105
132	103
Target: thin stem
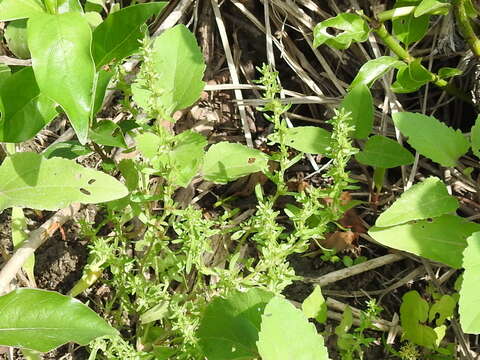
465	26
395	13
392	43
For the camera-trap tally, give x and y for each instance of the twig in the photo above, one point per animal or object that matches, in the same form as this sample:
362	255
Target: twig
354	270
13	61
36	238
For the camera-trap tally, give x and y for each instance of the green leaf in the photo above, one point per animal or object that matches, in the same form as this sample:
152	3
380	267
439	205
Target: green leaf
5	73
475	137
67	150
226	162
118	36
94	18
300	342
65	6
374	69
16	38
29	180
19	235
308	139
25	110
20	9
448	72
350	28
412	77
424	200
107	133
148	144
444	308
314	306
43	320
102	79
469	295
229	327
186	157
414	312
425	133
432	7
409	29
345	340
383	152
359	103
440	239
60	48
130	173
179	67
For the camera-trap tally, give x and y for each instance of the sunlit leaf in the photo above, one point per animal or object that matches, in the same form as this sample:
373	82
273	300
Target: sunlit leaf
469	294
20	9
413	315
374	69
340	31
383	152
359	103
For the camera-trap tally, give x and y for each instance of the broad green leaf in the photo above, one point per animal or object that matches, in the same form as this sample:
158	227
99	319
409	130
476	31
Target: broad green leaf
475	137
186	157
129	172
301	341
412	77
413	315
383	152
5	73
16	38
102	79
409	29
19	9
67	150
374	69
345	340
118	36
229	327
94	18
444	308
308	139
441	239
29	180
63	64
19	235
226	162
469	295
43	320
350	28
179	67
424	200
148	144
432	7
64	6
359	103
107	133
314	306
25	110
425	133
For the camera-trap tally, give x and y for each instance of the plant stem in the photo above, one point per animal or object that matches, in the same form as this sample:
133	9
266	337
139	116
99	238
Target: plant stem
465	26
392	43
395	13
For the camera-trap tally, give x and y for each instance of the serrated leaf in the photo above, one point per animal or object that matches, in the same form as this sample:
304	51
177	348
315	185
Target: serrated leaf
186	157
469	295
314	306
20	9
425	133
475	137
308	139
43	320
16	38
148	144
118	35
229	327
374	69
383	152
432	7
444	308
441	239
29	180
25	110
350	28
179	66
409	29
413	313
60	48
107	133
424	200
67	150
275	343
359	103
226	162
